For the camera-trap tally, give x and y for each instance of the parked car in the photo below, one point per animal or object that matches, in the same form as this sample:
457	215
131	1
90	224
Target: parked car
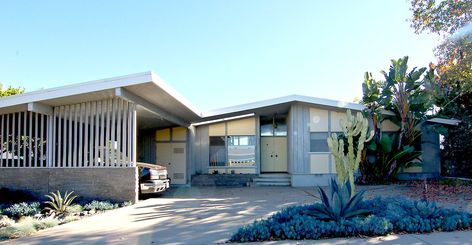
153	178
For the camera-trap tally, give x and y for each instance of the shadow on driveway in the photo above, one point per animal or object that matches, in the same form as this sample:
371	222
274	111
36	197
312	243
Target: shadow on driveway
183	215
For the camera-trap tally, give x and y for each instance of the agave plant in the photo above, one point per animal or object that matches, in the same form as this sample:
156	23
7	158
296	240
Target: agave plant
59	204
340	204
426	209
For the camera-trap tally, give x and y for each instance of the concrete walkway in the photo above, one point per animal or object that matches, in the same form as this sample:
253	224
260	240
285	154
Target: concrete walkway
203	216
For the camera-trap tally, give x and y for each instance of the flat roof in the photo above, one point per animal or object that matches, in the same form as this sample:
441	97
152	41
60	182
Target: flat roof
150	87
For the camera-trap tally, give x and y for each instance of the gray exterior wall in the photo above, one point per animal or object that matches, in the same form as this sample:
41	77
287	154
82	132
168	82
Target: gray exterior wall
119	184
147	146
431	156
298	139
202	149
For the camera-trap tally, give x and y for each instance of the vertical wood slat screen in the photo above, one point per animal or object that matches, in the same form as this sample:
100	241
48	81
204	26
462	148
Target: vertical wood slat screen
23	139
94	134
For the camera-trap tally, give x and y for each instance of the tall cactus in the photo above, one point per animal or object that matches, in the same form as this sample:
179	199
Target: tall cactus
348	163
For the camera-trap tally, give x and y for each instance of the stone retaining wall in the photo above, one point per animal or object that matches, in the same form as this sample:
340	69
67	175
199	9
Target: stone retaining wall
222	179
118	184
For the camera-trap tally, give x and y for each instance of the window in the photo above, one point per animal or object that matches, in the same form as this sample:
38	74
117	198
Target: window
274	126
217	151
318	142
242	150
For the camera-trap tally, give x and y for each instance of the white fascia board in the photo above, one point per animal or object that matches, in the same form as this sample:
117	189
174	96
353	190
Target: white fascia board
452	121
75	89
224	119
40	108
175	94
129	96
286	99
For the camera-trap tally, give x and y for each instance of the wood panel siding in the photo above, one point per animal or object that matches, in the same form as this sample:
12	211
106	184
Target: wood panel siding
202	149
298	139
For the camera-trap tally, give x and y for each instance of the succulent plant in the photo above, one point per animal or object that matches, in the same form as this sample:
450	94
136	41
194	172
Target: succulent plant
59	204
340	203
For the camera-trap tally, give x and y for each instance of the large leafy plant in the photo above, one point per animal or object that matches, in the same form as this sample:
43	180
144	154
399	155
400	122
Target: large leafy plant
340	203
377	166
404	94
58	203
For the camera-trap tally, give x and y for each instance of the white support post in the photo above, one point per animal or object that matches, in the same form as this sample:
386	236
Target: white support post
54	129
13	141
96	134
112	138
49	140
92	134
70	136
107	133
81	131
119	151
75	145
135	136
130	134
30	137
24	138
8	141
60	143
36	143
102	135
18	145
125	133
86	141
42	140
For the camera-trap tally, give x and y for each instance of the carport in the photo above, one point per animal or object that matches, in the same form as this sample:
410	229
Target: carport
84	137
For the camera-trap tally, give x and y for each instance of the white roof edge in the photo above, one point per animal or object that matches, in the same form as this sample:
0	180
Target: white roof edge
174	93
446	121
282	100
78	88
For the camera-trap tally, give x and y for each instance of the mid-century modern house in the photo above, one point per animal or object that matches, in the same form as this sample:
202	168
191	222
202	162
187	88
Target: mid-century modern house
88	138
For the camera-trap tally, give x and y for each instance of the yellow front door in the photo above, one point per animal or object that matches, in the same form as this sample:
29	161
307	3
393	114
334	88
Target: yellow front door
274	154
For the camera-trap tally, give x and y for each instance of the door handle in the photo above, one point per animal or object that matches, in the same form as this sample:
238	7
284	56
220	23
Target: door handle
271	155
169	163
275	155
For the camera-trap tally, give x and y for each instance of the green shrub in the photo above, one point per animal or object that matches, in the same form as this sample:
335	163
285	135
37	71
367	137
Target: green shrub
59	204
125	204
5	221
17	230
45	223
68	219
74	209
18	210
387	216
100	205
340	203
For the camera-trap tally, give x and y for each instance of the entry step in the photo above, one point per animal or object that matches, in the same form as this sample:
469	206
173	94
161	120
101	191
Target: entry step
276	179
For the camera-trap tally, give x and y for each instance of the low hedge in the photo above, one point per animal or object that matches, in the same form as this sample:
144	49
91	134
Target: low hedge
387	216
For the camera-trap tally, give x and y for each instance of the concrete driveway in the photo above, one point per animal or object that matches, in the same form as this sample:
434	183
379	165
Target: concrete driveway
180	216
202	216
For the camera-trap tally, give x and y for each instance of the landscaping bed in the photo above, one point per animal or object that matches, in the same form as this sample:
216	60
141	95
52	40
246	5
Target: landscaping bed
387	216
22	215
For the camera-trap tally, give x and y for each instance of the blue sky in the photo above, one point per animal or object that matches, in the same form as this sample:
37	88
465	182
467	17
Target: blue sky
215	53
